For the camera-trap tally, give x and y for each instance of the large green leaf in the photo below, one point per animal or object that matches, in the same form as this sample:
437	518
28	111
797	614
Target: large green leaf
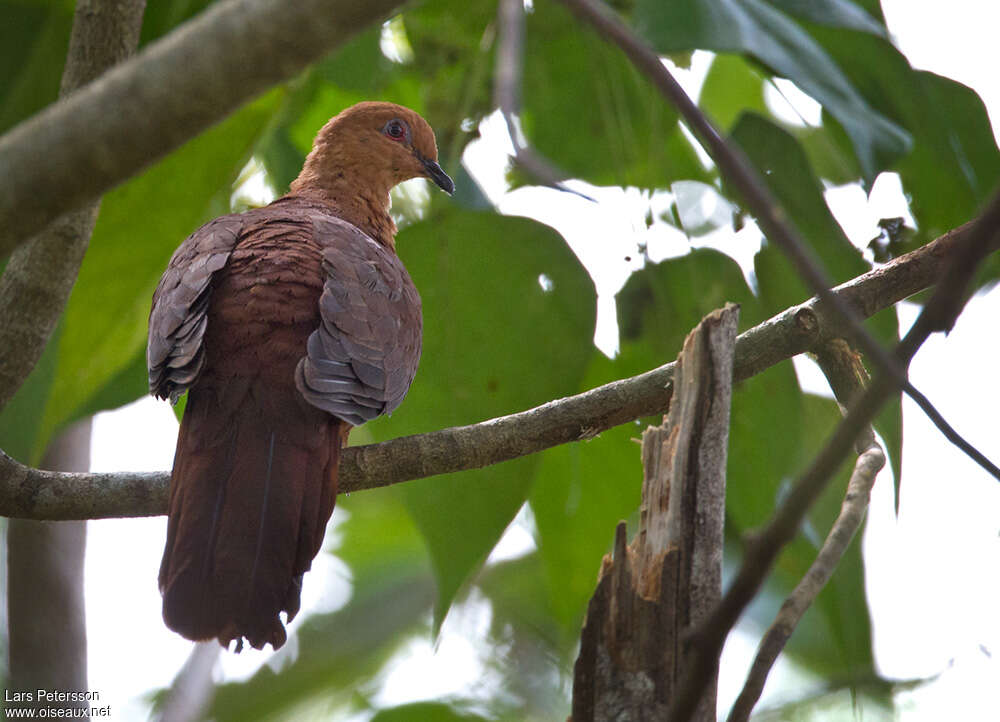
775	433
834	637
495	341
140	225
732	87
580	493
784	166
835	13
758	29
782	162
592	113
33	41
582	490
954	164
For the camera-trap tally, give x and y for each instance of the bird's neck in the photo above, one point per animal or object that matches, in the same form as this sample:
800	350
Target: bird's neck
363	205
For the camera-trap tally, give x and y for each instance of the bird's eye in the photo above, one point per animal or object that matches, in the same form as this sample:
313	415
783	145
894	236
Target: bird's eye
395	129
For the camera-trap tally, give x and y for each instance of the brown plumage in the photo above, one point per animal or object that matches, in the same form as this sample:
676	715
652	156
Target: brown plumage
287	325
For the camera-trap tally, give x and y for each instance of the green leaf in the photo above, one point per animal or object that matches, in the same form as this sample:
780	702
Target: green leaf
140	225
162	16
732	87
33	42
588	110
758	29
425	712
129	384
835	13
954	164
495	342
775	432
828	149
786	170
581	491
841	644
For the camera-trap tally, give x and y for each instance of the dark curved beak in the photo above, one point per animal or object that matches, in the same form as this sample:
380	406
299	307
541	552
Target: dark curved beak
437	175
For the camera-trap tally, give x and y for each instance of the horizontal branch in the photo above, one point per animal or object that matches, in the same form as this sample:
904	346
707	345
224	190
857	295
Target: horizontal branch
30	493
75	150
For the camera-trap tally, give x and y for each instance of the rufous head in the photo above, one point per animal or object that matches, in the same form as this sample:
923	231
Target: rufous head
373	145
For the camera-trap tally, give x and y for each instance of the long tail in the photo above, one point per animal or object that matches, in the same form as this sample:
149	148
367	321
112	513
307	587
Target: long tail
249	503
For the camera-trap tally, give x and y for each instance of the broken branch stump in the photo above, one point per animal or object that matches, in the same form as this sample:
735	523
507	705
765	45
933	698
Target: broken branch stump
650	592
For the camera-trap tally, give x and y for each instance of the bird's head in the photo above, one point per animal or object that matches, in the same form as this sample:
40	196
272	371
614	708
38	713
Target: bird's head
373	146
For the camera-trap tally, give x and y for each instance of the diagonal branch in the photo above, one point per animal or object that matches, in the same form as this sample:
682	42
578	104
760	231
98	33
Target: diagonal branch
38	277
847	377
852	513
75	150
30	493
737	170
979	239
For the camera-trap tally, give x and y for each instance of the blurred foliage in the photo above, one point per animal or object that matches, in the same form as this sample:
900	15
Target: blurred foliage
510	311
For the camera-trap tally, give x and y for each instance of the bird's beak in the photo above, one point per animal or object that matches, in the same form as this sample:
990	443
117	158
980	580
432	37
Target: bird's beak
437	175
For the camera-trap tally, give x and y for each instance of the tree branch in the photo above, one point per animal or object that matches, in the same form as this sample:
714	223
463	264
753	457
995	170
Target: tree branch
847	377
37	280
979	238
33	494
75	150
737	170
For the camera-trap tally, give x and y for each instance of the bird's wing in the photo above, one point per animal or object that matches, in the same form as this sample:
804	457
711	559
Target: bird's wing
175	352
361	360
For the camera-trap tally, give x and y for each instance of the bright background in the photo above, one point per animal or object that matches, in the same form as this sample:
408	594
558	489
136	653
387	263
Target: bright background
931	573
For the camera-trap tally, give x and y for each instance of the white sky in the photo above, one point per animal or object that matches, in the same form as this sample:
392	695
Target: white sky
932	575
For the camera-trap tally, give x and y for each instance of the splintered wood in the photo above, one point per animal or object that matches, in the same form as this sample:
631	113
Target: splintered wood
652	591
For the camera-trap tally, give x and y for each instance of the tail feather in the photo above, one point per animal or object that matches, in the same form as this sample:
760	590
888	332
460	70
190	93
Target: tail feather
250	498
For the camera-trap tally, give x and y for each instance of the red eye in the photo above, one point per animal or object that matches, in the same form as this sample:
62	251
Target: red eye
395	129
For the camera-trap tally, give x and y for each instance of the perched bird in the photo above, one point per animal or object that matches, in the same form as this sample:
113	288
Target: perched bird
287	325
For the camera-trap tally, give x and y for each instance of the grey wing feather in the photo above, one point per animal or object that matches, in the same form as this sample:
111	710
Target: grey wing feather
175	353
361	360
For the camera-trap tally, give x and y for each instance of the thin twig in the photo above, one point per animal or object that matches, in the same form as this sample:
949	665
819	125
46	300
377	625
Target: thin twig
847	377
852	512
33	494
737	170
763	549
507	96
